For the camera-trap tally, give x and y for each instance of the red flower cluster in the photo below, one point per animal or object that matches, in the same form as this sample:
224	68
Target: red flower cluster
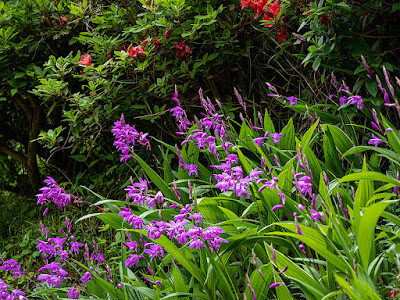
181	48
259	7
63	20
136	51
85	60
270	15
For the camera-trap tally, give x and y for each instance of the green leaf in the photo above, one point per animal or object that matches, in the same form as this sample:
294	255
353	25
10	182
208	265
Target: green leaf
287	142
368	175
156	179
396	6
372	87
79	157
347	287
391	155
316	241
305	140
268	124
316	63
259	284
311	288
366	231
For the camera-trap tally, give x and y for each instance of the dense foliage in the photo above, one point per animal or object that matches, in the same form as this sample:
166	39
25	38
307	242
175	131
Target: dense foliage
285	185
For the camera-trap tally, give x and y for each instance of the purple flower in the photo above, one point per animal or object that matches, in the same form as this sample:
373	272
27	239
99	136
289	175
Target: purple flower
133	260
276	207
125	138
192	169
52	192
86	278
154	251
356	100
343	100
174	228
197	244
276	284
304	184
315	215
292	100
258	141
73	294
374	141
58	242
239	98
75	247
197	218
276	137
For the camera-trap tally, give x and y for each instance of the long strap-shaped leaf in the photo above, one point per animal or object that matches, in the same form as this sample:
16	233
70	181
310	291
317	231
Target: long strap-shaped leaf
156	179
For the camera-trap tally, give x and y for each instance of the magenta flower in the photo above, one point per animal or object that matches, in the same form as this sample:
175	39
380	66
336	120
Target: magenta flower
154	251
292	100
197	244
133	260
52	192
126	137
73	294
356	100
315	215
276	284
304	184
276	137
276	207
374	141
75	247
86	277
197	218
192	169
258	141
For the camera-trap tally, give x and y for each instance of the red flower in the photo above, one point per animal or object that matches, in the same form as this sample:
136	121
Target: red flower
85	60
324	20
282	35
259	7
156	44
268	17
181	48
63	20
245	3
166	34
136	51
274	8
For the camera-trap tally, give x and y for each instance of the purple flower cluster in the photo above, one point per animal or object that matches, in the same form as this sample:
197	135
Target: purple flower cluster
125	138
138	193
53	193
15	294
54	247
12	266
180	114
56	276
183	165
232	177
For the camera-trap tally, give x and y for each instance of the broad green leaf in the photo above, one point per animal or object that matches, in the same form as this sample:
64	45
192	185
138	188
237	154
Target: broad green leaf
268	124
311	288
392	136
260	284
368	175
287	142
366	231
391	155
347	287
316	241
308	135
156	179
